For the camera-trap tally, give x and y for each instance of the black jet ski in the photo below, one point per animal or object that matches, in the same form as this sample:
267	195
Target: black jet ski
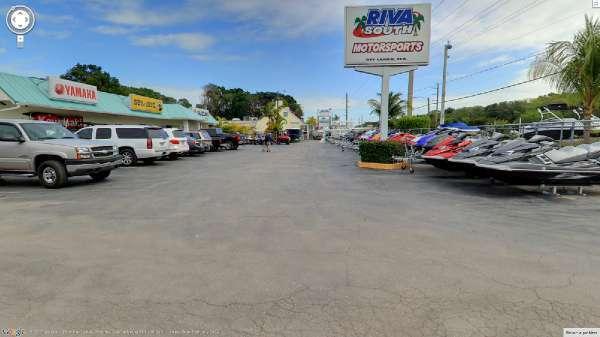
477	150
566	166
504	151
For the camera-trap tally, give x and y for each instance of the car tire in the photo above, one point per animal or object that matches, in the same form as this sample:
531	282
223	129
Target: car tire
128	157
52	174
99	176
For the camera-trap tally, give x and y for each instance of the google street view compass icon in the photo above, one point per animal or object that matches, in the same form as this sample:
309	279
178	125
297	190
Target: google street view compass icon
20	20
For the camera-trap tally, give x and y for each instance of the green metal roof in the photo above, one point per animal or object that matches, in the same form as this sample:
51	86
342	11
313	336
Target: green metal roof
34	91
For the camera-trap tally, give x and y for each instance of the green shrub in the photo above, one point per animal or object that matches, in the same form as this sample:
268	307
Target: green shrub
410	122
380	152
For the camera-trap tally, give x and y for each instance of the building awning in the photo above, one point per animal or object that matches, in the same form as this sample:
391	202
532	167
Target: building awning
33	91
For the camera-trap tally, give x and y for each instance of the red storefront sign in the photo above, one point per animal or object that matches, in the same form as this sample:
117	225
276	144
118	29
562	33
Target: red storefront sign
70	122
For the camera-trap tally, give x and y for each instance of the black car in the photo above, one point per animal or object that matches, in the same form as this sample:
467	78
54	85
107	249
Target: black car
223	140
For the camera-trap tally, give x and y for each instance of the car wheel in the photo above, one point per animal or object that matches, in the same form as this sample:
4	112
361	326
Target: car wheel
128	157
99	176
52	174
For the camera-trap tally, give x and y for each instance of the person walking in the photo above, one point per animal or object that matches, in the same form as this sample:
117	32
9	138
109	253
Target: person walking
268	140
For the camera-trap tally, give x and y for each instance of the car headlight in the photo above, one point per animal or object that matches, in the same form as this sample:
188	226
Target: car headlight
83	153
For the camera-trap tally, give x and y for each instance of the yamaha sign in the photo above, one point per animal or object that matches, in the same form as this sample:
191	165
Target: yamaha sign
65	90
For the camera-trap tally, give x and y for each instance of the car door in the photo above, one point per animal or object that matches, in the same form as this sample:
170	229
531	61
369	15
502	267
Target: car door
13	153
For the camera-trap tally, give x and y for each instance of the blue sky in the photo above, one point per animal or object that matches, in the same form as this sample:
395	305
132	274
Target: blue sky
295	47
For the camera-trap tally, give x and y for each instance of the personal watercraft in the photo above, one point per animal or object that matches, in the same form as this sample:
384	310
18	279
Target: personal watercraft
566	166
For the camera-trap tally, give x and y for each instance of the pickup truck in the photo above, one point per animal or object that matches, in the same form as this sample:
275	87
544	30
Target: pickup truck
52	153
223	140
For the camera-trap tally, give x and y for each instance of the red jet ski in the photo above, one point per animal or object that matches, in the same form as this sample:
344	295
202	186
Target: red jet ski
402	138
449	147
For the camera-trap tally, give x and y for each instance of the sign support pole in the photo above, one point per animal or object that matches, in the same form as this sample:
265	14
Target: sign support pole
385	73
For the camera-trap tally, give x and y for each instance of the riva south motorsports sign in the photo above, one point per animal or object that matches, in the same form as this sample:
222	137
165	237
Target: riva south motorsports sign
387	35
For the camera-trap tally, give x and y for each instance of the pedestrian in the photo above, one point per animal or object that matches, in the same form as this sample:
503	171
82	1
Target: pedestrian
268	140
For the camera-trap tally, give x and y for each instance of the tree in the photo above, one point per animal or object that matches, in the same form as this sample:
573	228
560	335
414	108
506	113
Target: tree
574	67
184	102
93	75
312	121
276	121
395	104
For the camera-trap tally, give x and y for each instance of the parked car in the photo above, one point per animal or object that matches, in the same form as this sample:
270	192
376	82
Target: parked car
178	144
223	140
195	142
52	153
135	142
283	139
206	140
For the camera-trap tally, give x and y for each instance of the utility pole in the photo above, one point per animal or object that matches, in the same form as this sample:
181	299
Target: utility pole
428	106
447	47
346	110
437	97
409	99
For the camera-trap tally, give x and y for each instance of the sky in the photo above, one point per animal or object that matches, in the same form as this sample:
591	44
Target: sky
294	47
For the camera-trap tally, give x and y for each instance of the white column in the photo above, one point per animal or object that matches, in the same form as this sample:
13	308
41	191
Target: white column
186	125
385	95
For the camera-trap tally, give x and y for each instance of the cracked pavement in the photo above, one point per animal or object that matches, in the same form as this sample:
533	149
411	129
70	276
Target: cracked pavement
297	242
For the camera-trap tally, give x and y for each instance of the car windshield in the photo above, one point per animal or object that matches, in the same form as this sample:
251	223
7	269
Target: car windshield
44	131
179	134
158	133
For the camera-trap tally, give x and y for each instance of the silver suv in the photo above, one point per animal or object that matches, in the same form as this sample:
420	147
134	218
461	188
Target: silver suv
52	152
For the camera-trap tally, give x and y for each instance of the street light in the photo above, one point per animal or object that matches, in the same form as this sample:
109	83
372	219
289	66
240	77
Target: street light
447	47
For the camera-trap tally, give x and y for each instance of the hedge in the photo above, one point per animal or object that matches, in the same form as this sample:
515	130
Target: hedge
410	122
380	152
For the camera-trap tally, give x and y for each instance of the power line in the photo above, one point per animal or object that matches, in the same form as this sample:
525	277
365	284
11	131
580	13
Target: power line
479	15
505	19
516	38
438	6
458	78
501	88
453	12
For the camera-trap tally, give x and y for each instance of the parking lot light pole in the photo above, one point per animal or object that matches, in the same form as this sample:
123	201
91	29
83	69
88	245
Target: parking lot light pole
447	47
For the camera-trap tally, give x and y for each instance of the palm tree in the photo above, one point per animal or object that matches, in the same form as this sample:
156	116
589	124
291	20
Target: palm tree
574	67
276	122
395	104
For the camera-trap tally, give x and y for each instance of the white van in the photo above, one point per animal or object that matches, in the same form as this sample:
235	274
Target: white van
135	142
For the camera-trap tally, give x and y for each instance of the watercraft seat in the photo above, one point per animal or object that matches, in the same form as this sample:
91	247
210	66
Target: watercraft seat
540	138
567	154
592	149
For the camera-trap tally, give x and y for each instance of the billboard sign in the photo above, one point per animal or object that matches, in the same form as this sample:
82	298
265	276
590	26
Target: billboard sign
65	90
387	35
145	104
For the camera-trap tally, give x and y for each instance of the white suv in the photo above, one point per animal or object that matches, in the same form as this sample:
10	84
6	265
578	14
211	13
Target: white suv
178	144
135	142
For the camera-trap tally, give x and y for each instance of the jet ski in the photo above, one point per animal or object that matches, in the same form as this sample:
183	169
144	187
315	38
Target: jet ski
569	165
447	148
478	149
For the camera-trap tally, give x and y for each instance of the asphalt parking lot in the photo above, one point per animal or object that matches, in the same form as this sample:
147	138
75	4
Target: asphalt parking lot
297	242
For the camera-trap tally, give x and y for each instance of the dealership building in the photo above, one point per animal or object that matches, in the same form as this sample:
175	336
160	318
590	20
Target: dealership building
76	105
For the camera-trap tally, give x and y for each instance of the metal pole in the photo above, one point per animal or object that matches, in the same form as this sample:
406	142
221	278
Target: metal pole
428	106
346	110
409	99
437	97
385	95
447	47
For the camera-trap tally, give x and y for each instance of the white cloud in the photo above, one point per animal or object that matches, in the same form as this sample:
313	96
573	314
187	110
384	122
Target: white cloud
113	30
53	34
186	41
310	104
218	57
137	13
494	60
55	19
